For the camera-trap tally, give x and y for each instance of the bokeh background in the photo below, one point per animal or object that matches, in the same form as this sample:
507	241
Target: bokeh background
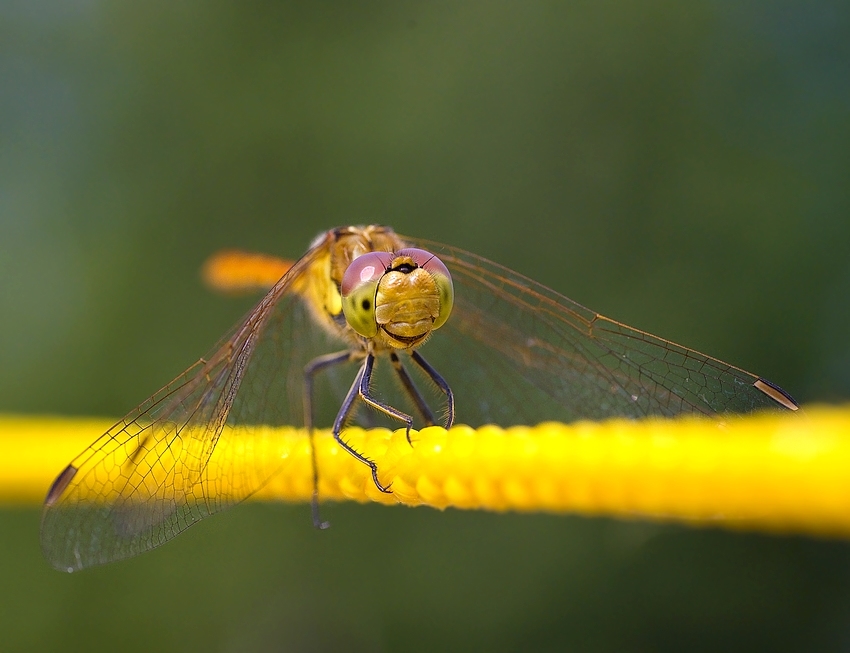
682	167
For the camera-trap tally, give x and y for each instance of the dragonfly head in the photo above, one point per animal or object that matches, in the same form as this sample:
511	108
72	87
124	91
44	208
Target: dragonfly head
399	297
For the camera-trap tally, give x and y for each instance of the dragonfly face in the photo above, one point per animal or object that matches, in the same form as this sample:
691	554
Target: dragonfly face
510	349
365	282
399	298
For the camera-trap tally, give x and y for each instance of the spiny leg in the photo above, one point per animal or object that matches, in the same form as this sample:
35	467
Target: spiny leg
355	392
369	400
412	391
441	383
310	370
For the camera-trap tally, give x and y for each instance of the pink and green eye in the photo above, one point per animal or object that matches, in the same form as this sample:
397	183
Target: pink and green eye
359	286
358	289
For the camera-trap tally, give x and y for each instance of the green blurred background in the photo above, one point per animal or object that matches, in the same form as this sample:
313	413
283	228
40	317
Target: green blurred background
682	167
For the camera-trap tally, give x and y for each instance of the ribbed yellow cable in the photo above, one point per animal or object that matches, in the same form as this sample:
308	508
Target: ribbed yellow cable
780	473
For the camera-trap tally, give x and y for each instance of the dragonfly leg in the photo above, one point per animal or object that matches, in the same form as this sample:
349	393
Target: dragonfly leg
413	392
441	383
369	400
310	370
361	381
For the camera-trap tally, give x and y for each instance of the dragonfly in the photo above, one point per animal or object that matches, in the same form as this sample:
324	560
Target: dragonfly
368	325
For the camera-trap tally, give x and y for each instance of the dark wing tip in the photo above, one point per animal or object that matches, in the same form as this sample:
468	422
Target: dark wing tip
776	393
58	486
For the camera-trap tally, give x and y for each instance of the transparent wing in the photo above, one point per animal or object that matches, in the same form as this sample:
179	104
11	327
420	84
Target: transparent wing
180	457
513	351
516	352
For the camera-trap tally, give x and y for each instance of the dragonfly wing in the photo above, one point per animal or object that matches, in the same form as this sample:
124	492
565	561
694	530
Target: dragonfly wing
530	355
199	445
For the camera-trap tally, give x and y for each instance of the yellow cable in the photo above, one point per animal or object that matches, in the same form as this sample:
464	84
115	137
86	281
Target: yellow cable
771	472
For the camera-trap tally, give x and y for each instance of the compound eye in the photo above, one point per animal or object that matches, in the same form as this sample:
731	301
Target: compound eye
442	278
358	289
